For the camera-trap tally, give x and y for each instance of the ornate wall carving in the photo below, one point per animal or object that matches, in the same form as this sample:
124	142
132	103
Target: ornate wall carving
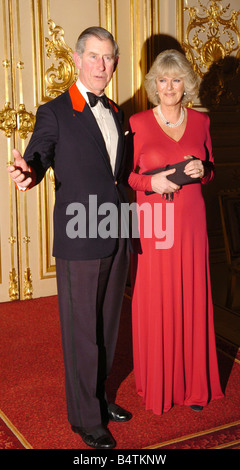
211	32
58	78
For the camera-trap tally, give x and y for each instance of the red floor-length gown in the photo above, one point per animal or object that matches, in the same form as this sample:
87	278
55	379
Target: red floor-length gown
174	349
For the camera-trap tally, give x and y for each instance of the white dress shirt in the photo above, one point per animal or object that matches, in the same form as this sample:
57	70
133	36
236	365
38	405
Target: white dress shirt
106	124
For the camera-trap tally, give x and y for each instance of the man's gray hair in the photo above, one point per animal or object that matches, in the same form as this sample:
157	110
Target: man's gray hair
99	33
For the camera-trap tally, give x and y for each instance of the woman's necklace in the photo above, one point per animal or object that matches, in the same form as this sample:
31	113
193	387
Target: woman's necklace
168	123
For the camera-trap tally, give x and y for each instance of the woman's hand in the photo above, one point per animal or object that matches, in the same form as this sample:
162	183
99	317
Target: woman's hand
162	185
194	168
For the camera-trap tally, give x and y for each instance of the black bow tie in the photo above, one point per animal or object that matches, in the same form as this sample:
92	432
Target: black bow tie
93	99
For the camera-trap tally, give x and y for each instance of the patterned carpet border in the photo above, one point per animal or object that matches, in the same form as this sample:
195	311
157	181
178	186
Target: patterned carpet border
10	437
222	437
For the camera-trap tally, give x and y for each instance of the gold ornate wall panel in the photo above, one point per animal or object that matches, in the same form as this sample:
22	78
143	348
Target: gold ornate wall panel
37	38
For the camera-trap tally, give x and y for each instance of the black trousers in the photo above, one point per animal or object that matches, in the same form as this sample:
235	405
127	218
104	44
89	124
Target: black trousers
90	294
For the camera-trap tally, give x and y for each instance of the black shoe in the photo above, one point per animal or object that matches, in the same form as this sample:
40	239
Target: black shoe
196	407
116	413
99	438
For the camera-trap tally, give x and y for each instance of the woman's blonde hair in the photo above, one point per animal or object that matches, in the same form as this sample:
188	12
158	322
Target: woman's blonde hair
172	63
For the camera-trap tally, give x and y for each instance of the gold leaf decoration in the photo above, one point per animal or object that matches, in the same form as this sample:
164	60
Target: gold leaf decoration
20	120
58	77
13	285
28	289
8	120
213	51
208	24
26	121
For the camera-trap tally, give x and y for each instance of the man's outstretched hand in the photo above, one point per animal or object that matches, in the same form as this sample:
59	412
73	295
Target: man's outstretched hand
19	171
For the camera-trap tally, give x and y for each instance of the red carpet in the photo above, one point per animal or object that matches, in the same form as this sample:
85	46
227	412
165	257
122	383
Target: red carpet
32	398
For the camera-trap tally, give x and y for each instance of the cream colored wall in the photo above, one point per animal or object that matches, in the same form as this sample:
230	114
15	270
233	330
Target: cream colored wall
37	38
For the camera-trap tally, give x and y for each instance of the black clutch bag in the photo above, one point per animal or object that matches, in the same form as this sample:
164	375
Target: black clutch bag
179	177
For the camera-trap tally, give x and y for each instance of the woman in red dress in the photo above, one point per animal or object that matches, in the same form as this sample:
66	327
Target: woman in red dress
174	349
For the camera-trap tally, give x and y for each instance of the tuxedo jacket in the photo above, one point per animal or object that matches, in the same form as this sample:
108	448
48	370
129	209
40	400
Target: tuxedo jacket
67	138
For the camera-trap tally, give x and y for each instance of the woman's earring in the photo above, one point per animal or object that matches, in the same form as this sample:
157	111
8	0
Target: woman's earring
184	94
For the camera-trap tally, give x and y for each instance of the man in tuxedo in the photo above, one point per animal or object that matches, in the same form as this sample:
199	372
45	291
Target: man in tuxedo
79	134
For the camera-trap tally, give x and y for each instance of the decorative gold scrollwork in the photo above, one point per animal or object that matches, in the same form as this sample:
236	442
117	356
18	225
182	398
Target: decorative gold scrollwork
28	289
13	285
25	121
8	120
202	42
21	120
58	78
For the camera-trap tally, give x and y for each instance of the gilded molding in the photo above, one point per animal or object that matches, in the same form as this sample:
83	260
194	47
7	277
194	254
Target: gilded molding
50	175
47	269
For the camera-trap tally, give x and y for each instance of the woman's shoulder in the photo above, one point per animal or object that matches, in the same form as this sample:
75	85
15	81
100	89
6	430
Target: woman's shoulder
141	117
